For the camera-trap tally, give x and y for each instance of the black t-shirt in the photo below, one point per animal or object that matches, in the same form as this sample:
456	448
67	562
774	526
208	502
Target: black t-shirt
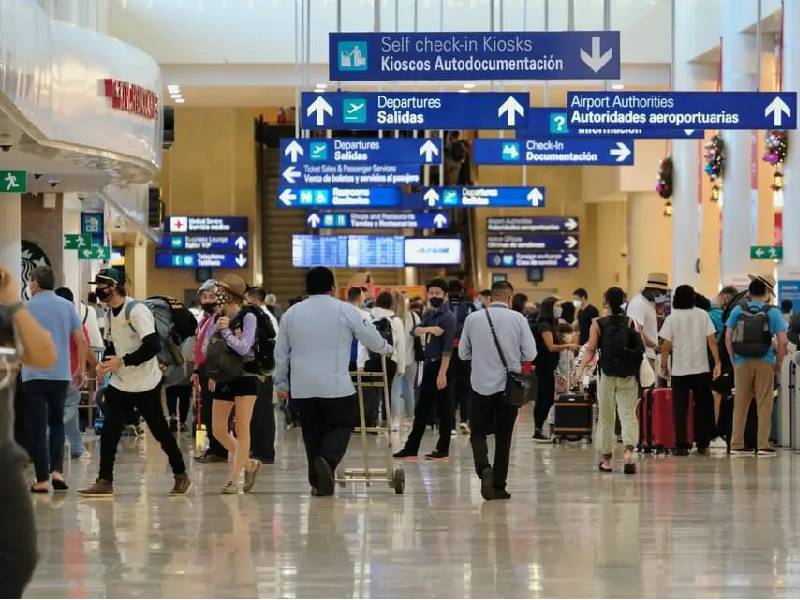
585	318
545	360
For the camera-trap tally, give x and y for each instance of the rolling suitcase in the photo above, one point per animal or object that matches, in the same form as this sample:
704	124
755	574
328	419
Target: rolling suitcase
573	413
657	421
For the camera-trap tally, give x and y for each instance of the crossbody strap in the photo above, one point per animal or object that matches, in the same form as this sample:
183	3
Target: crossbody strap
496	341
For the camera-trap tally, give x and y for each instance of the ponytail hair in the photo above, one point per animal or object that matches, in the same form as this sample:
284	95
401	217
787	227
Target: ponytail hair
614	298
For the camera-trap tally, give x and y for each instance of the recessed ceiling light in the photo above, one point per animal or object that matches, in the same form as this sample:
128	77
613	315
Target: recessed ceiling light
617	86
180	100
322	86
174	89
463	91
469	86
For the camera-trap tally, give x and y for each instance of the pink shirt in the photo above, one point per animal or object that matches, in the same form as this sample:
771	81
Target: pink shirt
206	327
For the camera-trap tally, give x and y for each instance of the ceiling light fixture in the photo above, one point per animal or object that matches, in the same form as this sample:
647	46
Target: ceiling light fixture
617	86
174	88
469	86
322	86
180	100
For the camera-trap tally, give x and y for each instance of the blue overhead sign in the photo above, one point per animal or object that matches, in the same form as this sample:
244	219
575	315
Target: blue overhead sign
205	224
552	151
93	224
224	242
466	197
343	197
700	110
413	110
211	260
474	55
378	220
553	260
532	224
553	122
530	242
376	151
350	174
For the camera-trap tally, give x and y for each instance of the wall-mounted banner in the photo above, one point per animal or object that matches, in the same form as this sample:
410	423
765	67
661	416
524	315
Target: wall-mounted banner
413	110
700	110
556	260
474	55
378	220
377	151
529	242
532	224
350	174
552	151
553	123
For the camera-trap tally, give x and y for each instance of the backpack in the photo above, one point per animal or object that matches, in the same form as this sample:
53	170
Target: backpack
223	365
264	344
384	327
462	309
621	347
751	335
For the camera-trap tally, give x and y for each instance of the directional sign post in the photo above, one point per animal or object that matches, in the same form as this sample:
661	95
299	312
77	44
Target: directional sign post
474	56
377	151
530	242
699	110
544	151
557	260
412	110
13	182
766	252
342	197
77	241
455	197
350	174
378	220
532	224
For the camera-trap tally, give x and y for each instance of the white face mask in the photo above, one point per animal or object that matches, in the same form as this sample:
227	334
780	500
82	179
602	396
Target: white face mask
557	312
577	303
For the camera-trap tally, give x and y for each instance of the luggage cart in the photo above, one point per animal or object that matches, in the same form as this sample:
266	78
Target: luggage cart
396	478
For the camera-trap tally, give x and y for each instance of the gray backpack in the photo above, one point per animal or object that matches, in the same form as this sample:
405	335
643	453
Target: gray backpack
752	337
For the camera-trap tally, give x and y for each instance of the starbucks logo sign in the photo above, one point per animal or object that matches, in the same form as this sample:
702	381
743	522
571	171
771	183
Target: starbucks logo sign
32	256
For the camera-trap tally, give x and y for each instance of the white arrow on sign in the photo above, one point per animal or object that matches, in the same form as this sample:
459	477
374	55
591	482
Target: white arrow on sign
313	220
319	106
621	152
241	260
241	243
688	131
571	224
287	197
429	150
293	150
571	260
510	108
776	108
535	197
596	61
291	174
759	252
570	242
440	221
431	197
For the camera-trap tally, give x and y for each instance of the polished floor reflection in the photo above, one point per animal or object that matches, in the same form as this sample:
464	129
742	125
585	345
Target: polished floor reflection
696	526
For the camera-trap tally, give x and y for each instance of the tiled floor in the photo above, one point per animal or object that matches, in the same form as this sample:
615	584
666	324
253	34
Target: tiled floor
707	527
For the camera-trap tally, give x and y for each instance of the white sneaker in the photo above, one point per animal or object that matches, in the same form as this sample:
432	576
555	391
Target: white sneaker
718	443
464	428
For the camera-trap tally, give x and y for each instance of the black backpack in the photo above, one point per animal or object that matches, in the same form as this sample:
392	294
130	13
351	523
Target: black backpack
264	344
384	327
621	347
462	309
751	335
223	364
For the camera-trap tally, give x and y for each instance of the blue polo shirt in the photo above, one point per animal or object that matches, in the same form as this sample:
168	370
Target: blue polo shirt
776	325
59	318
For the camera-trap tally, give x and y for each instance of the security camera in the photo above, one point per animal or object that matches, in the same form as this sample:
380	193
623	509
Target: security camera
6	147
37	175
81	197
52	183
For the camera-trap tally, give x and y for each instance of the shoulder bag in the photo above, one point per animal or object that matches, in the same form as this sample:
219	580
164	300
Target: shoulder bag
520	389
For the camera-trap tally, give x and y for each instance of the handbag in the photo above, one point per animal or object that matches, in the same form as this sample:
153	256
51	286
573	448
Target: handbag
520	389
647	377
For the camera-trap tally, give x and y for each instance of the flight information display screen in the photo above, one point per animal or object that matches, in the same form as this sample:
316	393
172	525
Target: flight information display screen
375	251
315	250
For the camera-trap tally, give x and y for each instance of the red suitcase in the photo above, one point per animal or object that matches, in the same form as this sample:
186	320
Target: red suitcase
657	422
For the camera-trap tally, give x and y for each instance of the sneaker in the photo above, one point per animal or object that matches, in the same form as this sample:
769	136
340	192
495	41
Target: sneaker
501	495
464	428
742	452
718	444
229	488
324	474
181	486
766	453
540	438
404	454
250	474
436	455
487	484
102	488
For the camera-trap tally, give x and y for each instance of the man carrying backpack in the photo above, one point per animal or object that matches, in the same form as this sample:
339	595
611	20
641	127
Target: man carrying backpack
132	360
752	327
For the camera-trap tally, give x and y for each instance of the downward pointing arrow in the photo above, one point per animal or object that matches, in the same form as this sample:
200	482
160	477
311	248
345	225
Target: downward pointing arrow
595	61
776	108
241	261
510	108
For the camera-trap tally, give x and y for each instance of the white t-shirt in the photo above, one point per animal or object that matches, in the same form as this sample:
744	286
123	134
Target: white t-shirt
88	317
146	376
641	310
688	330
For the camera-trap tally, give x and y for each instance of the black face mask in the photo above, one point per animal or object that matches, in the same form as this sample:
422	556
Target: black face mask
436	302
210	307
104	295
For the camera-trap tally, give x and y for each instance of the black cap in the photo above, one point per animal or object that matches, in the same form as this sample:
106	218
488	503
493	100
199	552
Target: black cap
107	277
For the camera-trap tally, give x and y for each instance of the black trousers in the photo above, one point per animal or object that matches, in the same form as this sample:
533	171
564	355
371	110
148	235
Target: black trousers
206	411
327	424
178	399
492	415
18	555
149	405
44	419
374	406
430	396
458	376
546	397
262	425
704	427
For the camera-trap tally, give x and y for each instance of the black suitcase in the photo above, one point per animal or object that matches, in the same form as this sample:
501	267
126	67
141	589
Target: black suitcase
574	413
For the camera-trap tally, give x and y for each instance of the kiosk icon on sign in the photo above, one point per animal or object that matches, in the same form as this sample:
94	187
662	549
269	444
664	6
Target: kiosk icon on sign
352	56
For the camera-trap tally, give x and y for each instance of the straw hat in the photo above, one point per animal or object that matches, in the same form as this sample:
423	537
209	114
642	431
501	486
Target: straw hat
657	281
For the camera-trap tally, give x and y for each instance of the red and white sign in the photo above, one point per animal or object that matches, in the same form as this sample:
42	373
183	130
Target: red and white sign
131	98
178	224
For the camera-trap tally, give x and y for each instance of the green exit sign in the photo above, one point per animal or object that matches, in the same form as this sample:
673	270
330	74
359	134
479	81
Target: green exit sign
766	252
95	253
76	241
13	182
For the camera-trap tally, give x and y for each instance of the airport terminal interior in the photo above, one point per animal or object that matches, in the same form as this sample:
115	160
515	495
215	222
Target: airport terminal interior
399	298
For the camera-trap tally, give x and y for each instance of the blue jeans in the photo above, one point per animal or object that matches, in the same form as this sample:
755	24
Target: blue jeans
72	428
45	409
403	392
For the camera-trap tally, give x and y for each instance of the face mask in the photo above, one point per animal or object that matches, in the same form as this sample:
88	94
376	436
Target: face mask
557	312
576	303
478	305
104	295
210	307
436	302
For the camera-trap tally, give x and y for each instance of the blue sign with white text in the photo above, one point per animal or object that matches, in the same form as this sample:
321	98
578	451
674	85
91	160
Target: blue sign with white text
532	224
350	174
530	242
378	220
466	197
198	224
93	224
552	122
215	242
552	151
343	197
213	260
698	110
376	151
426	56
413	110
789	289
512	260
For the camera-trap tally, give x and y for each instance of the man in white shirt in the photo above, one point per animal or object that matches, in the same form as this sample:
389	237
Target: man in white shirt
688	332
491	411
642	309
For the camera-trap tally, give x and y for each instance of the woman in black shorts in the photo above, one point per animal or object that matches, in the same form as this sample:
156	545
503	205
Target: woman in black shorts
238	326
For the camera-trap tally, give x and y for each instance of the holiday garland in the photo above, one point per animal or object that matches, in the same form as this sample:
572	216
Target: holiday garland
776	145
664	184
714	155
